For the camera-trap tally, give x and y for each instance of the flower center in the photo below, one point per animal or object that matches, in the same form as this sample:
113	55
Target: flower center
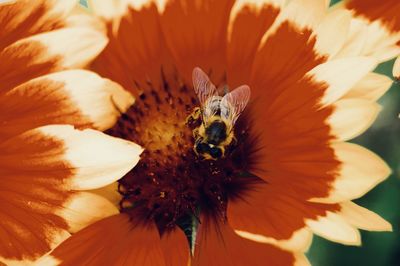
172	183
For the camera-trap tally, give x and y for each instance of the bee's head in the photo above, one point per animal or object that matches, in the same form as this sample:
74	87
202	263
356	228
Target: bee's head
208	151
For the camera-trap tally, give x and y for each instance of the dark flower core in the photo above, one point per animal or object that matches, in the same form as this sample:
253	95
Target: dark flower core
171	184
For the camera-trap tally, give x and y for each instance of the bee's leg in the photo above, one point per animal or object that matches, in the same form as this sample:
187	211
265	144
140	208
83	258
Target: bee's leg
222	149
234	140
194	115
198	140
196	133
194	118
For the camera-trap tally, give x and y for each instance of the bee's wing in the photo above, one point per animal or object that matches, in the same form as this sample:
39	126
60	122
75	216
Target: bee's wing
233	103
203	87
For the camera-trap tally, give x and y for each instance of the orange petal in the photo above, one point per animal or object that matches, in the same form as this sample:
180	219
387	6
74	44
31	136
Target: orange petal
340	75
269	216
108	9
332	32
26	55
293	138
110	192
196	32
334	228
299	242
137	50
38	169
384	11
32	191
291	122
94	159
273	213
116	240
22	18
360	170
175	247
341	225
48	52
363	218
352	117
283	58
371	87
356	38
242	43
85	19
218	245
85	208
76	97
375	29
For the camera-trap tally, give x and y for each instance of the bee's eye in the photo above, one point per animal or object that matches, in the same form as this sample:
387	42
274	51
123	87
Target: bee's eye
202	147
216	152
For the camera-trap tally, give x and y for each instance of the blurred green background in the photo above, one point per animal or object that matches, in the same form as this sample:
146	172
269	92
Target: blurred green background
383	138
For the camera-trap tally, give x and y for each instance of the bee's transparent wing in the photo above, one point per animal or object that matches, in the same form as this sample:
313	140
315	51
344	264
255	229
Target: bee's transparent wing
206	92
203	87
233	103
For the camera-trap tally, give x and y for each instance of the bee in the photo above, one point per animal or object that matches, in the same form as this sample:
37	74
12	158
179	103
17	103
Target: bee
218	115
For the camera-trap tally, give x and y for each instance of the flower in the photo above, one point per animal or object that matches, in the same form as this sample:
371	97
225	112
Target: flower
289	174
46	168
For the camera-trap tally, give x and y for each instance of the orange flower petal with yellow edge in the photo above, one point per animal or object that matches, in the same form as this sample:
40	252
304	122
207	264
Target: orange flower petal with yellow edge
40	170
118	240
218	244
